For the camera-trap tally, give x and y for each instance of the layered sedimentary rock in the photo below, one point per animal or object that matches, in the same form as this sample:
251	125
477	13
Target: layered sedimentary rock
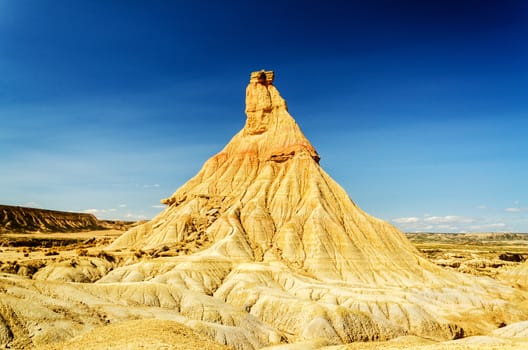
22	219
262	227
264	197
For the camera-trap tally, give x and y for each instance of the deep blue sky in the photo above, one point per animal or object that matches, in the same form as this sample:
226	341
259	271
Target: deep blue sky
418	108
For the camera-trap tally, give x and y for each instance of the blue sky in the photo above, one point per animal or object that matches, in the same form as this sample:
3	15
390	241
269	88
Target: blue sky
418	108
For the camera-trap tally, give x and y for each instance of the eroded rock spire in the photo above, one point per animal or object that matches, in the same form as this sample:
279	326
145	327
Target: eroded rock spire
261	98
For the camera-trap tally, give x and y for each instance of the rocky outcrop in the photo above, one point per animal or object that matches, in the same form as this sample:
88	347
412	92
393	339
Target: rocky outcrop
27	220
22	219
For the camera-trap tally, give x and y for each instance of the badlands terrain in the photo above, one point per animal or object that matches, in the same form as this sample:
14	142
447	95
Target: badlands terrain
260	250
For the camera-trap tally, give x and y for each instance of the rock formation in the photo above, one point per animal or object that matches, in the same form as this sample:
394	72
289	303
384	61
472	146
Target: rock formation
264	197
262	227
262	248
22	219
15	219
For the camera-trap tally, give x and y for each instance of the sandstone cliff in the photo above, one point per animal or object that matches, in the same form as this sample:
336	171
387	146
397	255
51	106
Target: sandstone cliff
22	219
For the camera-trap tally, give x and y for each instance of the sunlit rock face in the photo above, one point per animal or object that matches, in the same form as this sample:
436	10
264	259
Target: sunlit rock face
263	228
264	197
262	247
22	219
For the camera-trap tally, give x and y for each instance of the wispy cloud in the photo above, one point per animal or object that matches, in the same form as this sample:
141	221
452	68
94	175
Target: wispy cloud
410	220
32	205
486	227
151	186
448	223
159	206
94	211
114	213
133	216
100	211
449	219
515	210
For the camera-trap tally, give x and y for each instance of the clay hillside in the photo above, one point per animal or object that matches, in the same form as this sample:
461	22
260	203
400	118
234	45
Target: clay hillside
260	249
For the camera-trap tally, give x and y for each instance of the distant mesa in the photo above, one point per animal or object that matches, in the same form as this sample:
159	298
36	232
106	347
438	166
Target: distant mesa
26	220
22	219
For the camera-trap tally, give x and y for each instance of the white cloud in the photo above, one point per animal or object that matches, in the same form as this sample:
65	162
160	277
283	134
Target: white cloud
482	206
151	186
32	205
131	216
513	210
484	227
94	211
117	213
449	219
98	211
159	206
448	223
410	220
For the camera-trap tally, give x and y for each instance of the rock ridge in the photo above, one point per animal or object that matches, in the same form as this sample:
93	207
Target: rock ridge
23	219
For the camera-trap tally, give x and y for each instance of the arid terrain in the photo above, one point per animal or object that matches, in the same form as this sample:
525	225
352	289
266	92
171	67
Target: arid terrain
261	249
25	254
479	254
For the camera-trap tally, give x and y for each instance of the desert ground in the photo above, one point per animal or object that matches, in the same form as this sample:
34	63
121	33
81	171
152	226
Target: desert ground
28	255
479	254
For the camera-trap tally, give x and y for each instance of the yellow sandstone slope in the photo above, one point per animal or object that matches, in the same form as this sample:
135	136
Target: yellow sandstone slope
263	228
264	197
517	276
